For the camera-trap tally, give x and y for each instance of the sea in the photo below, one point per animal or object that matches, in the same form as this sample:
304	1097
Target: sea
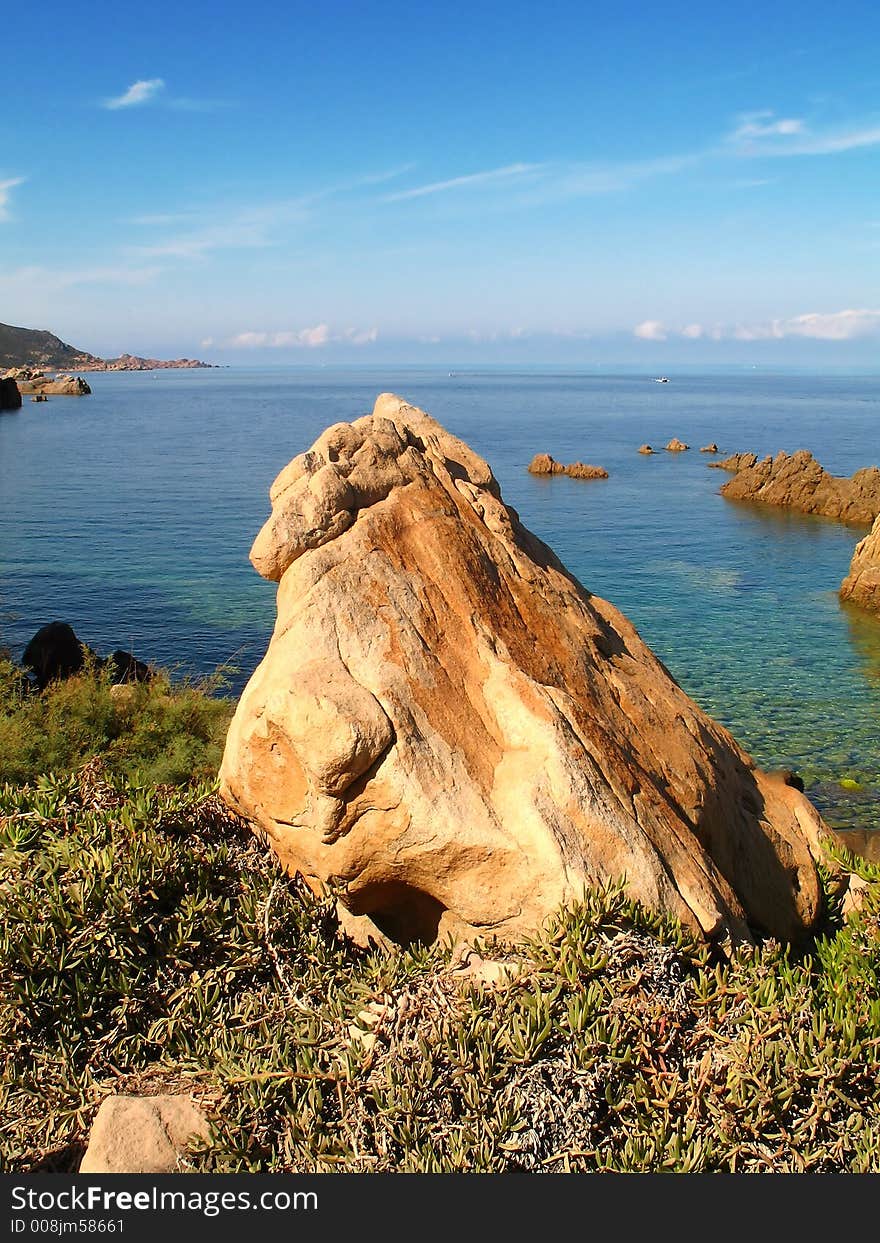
130	514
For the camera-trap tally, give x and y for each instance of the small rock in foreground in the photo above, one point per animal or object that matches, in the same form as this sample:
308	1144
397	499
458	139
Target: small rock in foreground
143	1135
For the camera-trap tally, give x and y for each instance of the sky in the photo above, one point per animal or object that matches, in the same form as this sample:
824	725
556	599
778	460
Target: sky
514	183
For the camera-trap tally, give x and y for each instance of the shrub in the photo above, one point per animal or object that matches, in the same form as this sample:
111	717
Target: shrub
149	943
149	733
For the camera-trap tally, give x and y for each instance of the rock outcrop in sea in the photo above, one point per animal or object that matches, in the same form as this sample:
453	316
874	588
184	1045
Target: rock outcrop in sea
544	464
453	734
677	446
862	585
28	380
798	481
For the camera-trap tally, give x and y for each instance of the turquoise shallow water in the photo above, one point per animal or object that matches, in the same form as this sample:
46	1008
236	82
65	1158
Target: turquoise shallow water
130	514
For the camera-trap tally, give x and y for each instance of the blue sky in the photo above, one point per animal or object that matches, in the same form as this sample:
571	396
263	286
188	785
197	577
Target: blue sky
506	182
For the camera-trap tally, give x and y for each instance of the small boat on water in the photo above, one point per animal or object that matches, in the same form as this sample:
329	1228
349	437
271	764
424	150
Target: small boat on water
661	379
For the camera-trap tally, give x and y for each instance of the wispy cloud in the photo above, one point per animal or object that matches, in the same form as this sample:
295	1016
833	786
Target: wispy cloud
302	338
764	125
764	134
245	228
6	188
508	173
140	92
42	282
650	330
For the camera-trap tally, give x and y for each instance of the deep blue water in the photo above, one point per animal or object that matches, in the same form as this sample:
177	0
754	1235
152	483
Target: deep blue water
130	514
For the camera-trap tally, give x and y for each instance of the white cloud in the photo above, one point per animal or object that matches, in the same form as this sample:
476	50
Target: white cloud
762	125
366	337
5	189
208	341
846	325
250	340
303	338
507	173
140	92
762	134
650	330
837	326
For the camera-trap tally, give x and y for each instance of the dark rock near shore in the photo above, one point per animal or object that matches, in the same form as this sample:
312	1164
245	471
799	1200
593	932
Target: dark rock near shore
10	397
55	653
127	668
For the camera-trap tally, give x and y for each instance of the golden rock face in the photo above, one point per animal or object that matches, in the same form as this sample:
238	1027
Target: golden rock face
862	584
454	730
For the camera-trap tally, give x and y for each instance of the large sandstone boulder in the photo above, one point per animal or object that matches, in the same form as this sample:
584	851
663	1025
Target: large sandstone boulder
457	736
862	584
797	481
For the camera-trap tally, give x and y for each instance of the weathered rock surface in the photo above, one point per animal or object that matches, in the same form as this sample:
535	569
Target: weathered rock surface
455	732
712	448
544	464
862	584
797	481
10	397
736	461
645	449
142	1135
677	446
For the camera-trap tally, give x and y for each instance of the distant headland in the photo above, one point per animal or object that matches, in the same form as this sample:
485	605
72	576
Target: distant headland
33	347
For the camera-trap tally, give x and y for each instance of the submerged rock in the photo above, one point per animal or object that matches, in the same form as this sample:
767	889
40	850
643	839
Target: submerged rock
712	448
645	449
862	584
450	730
798	481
